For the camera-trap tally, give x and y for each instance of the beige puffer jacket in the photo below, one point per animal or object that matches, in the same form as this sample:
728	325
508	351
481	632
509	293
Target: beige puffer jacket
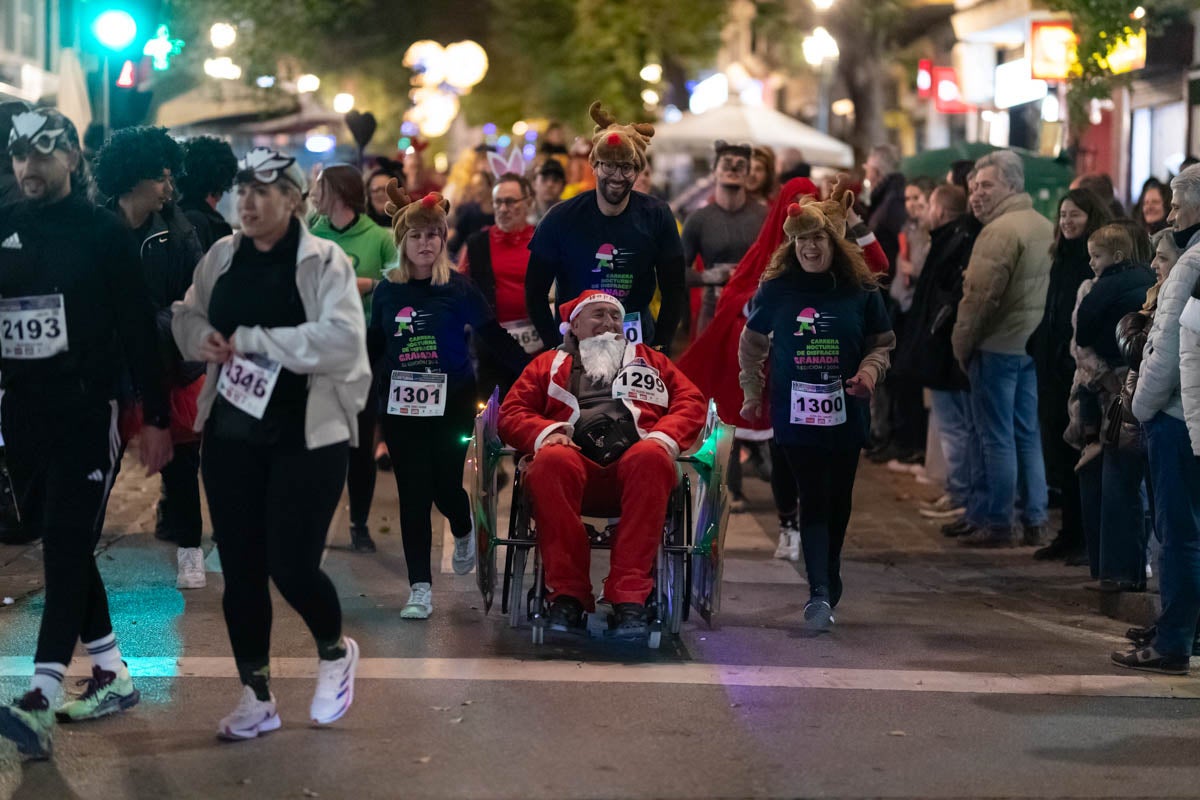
1004	287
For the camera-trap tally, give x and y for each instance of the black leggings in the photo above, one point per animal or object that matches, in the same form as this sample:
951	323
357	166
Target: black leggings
783	482
271	507
825	484
62	467
427	458
179	497
360	476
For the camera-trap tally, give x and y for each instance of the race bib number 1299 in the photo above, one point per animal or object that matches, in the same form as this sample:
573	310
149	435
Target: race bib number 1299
33	327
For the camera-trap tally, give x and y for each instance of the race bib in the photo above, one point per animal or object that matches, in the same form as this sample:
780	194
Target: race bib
526	335
417	394
247	381
640	384
33	327
633	328
820	404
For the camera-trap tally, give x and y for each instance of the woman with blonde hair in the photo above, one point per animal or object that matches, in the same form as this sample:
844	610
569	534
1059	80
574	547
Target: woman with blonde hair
820	317
426	394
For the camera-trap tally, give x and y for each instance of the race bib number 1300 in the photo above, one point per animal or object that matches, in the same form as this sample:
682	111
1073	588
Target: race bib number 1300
633	328
819	404
247	381
417	394
33	327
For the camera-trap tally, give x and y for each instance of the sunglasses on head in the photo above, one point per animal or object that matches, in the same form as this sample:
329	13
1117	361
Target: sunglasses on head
44	143
264	166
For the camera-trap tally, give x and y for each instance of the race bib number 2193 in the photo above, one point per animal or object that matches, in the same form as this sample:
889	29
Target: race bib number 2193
33	327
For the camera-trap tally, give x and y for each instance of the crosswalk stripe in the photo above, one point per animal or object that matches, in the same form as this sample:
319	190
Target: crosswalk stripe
517	670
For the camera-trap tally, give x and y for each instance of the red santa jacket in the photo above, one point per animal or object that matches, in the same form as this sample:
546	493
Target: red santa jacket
540	403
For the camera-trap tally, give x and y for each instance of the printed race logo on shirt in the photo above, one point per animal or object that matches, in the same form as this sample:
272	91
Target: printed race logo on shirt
612	271
816	348
419	351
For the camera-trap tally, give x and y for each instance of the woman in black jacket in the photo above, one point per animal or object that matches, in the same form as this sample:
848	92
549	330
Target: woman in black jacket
1080	214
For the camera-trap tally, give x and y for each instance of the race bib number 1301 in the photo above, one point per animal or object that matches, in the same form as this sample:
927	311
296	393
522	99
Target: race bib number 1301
417	394
33	327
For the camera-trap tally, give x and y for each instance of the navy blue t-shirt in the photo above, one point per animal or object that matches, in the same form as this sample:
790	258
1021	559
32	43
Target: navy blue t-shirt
617	255
424	329
818	335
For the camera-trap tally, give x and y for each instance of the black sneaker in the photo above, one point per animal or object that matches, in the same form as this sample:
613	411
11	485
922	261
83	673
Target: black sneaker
1142	636
1058	548
1147	659
818	615
960	527
360	539
1033	535
989	538
628	621
565	615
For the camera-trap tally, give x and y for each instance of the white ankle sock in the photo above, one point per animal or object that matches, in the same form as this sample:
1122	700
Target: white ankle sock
48	677
105	654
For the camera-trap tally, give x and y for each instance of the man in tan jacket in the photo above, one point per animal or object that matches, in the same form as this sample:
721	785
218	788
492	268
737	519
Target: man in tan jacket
1004	294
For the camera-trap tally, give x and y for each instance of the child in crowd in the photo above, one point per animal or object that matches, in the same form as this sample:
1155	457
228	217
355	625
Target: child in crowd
1099	370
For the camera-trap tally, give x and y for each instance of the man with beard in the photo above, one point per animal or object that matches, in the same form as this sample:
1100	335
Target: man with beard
613	239
605	420
75	310
722	231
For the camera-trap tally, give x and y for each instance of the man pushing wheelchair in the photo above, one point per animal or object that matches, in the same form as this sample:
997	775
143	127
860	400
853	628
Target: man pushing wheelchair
604	420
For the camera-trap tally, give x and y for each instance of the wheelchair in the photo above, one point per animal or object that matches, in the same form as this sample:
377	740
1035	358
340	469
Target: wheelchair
688	567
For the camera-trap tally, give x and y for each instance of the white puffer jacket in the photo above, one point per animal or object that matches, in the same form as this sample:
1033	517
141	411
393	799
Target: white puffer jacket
1158	387
1189	355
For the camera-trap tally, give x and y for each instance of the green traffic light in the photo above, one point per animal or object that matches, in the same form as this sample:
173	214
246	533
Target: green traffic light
115	29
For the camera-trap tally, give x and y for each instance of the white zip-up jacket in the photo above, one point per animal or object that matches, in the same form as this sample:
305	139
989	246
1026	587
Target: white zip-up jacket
330	348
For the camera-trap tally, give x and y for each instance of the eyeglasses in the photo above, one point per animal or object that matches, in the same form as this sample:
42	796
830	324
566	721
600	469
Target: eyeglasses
608	169
505	202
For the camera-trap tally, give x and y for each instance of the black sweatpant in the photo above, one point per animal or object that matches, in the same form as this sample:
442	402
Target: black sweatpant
62	463
271	507
1060	457
825	484
427	459
783	483
179	496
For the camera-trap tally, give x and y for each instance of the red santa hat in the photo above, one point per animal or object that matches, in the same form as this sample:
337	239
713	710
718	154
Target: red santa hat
570	309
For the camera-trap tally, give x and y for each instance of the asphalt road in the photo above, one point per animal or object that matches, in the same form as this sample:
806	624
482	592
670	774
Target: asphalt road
949	674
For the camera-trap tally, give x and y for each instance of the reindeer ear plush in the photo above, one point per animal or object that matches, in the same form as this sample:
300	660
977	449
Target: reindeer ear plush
397	198
841	191
602	118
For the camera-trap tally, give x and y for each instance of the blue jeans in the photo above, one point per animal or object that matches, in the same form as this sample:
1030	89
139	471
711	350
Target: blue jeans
960	447
1113	498
1175	473
1005	408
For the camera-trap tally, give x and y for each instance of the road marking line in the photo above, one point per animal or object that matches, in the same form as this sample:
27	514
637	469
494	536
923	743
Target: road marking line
516	670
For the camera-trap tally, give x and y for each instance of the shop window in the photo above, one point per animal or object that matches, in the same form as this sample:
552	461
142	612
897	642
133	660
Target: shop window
21	23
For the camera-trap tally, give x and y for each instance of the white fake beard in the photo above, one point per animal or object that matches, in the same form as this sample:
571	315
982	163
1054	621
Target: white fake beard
602	356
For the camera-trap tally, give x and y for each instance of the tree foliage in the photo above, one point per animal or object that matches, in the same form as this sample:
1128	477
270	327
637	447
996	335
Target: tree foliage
553	57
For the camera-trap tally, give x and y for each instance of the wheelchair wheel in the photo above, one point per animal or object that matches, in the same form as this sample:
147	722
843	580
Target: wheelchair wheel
676	585
516	584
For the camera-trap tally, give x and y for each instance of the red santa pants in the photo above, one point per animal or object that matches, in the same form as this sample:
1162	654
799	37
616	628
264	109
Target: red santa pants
561	482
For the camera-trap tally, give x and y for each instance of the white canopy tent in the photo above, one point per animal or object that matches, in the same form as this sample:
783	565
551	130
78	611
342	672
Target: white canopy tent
735	122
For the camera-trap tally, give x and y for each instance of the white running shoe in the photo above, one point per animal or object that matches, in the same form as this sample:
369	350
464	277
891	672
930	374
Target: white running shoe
942	508
793	553
781	549
463	560
251	717
420	602
191	568
335	686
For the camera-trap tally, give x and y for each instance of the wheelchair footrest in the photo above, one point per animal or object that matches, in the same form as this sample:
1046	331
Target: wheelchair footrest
599	625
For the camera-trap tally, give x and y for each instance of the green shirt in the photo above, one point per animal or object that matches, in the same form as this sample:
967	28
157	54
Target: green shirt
369	247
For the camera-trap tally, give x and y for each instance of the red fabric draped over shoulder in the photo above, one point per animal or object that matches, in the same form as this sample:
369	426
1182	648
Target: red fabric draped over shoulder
711	362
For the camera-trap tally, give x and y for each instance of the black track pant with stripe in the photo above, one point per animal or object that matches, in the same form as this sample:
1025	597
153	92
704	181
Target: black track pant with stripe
63	461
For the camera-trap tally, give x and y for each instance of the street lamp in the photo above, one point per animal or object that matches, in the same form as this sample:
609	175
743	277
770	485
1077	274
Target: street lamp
821	51
822	5
307	83
222	35
343	103
651	73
